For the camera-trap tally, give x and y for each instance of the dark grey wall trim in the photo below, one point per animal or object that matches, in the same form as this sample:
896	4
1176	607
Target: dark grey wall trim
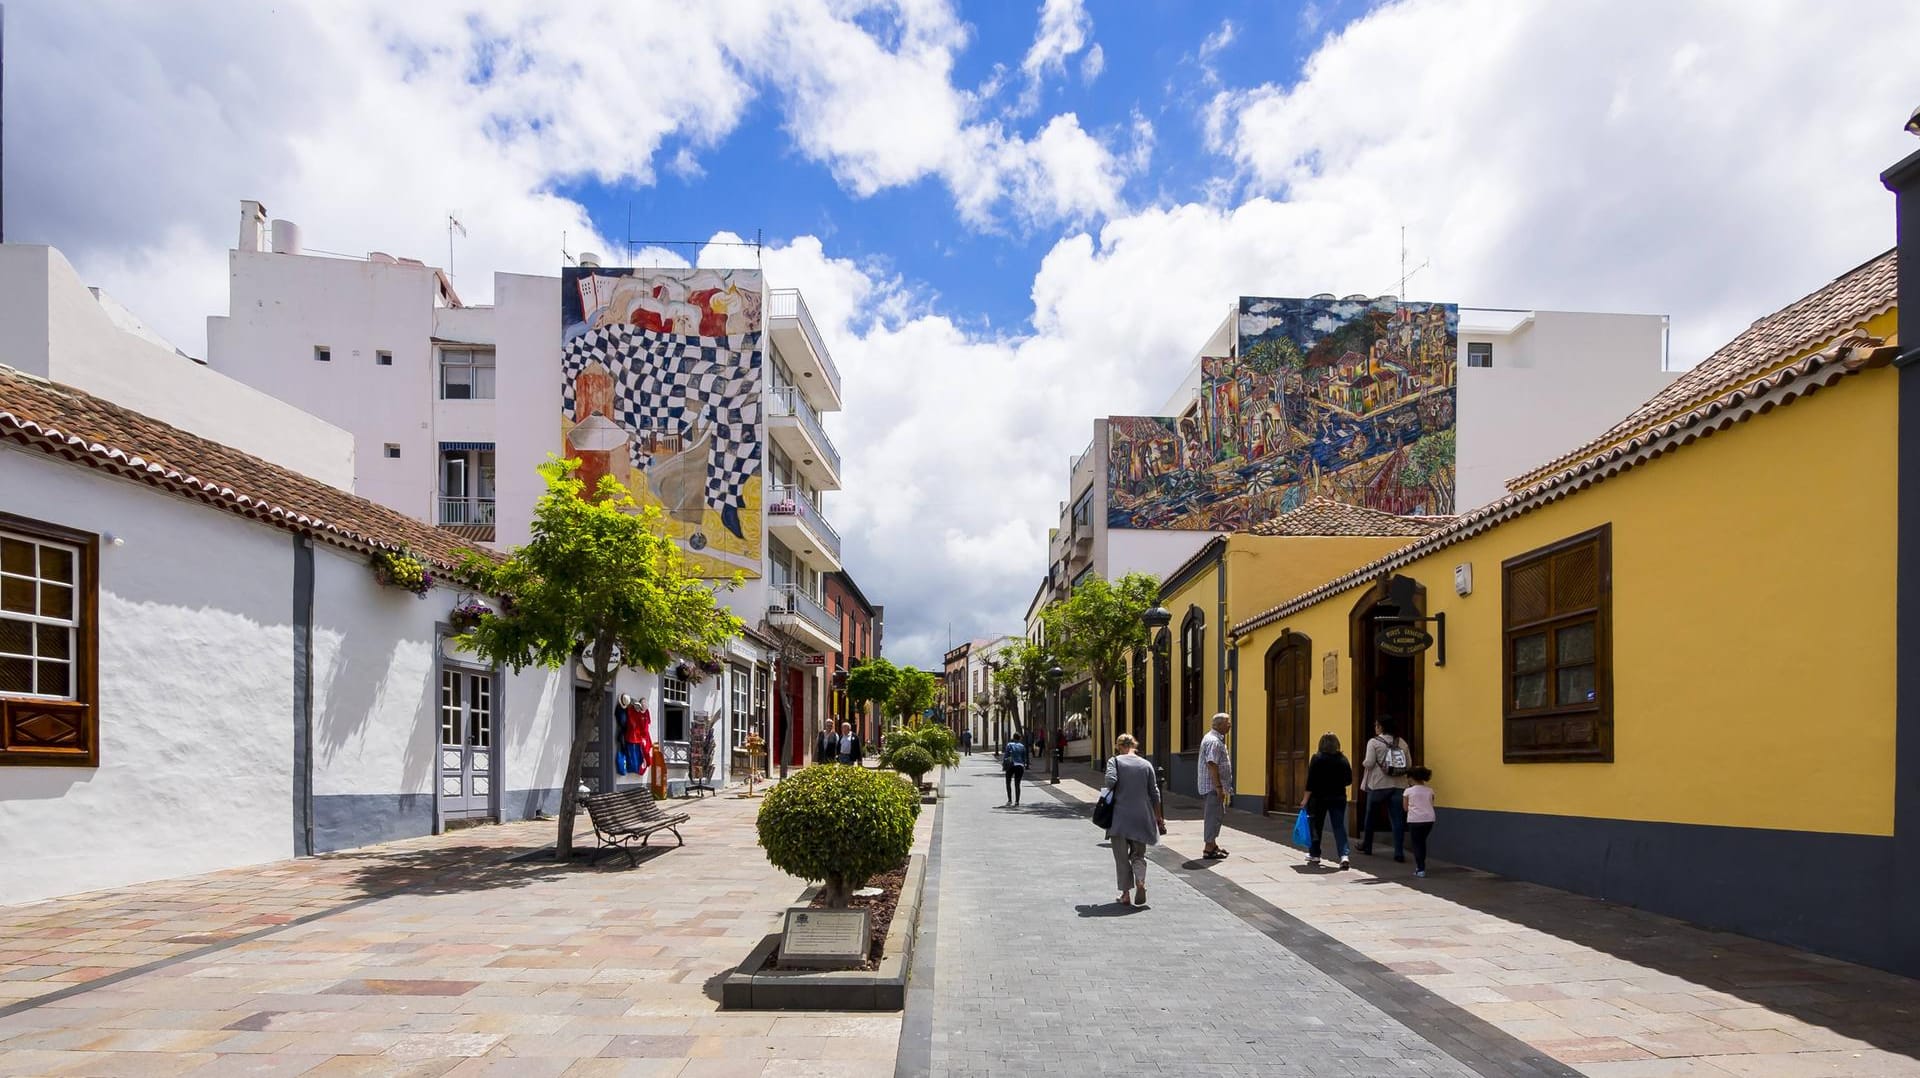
1904	932
347	821
302	696
1824	892
1184	773
526	804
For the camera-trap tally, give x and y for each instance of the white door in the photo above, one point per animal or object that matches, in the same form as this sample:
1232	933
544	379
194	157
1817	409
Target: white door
466	745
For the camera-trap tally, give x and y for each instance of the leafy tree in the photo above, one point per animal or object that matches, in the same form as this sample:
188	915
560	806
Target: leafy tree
913	762
914	692
1094	630
872	682
598	581
840	825
1021	677
932	738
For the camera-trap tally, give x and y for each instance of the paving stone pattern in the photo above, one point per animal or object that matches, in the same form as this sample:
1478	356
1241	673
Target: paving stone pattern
1037	969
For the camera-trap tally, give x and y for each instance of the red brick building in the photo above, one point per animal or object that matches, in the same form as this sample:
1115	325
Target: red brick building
859	641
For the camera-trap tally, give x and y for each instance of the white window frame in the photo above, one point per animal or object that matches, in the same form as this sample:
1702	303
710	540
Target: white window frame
476	367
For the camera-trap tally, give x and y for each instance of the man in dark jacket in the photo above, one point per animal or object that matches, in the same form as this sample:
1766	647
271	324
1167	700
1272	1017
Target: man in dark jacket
1328	775
826	747
849	750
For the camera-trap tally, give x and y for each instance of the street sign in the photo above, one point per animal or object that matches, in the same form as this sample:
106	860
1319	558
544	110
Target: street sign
1403	641
816	660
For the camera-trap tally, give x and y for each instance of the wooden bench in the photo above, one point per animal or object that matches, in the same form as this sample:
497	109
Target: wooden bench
627	814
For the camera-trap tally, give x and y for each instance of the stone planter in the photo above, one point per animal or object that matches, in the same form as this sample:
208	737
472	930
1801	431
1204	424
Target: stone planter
751	988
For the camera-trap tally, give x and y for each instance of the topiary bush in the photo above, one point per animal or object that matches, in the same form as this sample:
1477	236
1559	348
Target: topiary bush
913	761
839	825
935	740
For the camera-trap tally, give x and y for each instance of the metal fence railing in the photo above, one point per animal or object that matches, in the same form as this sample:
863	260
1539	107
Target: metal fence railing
789	401
786	303
789	501
466	511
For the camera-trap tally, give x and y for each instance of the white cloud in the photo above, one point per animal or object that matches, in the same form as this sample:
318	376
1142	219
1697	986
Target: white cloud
1580	160
1093	64
1063	31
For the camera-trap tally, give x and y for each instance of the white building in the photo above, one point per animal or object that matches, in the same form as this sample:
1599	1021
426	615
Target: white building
987	716
452	407
198	669
1531	384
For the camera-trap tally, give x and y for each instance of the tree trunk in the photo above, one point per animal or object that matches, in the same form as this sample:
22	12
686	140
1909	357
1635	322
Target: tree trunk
838	890
570	788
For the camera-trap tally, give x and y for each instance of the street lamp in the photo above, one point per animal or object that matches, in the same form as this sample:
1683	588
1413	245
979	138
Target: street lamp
1157	620
1054	674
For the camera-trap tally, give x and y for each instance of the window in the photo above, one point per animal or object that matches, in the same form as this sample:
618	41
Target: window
1479	354
391	450
47	645
674	703
1558	662
1082	512
1193	634
322	354
383	359
466	374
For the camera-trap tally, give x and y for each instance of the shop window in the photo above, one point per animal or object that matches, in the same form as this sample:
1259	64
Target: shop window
1558	671
48	641
673	708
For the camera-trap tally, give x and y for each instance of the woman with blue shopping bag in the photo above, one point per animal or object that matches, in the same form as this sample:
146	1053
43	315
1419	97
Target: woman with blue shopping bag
1329	774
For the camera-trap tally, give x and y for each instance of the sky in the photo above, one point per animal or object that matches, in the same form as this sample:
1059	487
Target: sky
1007	218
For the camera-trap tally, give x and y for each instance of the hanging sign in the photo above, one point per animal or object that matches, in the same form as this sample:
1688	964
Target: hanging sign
1402	641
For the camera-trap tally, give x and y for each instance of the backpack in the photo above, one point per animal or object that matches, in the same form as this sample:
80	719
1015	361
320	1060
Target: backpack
1394	760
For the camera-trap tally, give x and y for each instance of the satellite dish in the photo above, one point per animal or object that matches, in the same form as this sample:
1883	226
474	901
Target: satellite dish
1356	296
1323	295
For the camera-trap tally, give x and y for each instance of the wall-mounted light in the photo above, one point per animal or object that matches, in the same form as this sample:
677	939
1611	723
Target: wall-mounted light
1463	578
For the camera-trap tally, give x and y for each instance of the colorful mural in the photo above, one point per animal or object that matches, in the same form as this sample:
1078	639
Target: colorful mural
1347	399
661	390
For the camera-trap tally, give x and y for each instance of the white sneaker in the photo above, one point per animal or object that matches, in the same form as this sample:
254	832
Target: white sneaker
1313	862
1422	873
1344	863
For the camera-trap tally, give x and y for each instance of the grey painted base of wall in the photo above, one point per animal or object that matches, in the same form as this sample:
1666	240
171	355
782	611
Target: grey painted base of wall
526	804
345	821
1824	892
1184	773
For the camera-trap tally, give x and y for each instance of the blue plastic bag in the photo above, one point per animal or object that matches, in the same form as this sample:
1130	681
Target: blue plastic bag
1302	830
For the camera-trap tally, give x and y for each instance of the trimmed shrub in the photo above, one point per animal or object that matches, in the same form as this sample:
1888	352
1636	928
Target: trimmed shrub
839	825
913	761
935	740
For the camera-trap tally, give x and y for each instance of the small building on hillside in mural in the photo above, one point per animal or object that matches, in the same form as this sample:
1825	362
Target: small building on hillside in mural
1352	399
661	390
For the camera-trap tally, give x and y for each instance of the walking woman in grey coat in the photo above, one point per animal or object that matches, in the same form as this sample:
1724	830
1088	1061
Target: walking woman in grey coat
1137	818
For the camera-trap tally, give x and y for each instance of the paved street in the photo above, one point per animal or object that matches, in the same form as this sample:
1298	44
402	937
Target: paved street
429	957
1038	969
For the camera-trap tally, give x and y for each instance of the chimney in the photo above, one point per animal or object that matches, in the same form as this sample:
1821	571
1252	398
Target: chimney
1903	180
253	227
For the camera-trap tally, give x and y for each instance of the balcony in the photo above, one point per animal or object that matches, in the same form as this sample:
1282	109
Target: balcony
470	518
795	425
791	326
798	523
802	617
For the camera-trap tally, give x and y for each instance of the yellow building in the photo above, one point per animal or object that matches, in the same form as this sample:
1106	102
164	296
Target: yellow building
1663	669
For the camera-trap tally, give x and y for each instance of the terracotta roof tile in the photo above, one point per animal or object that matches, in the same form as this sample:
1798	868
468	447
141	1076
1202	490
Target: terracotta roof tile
1324	516
74	424
1809	323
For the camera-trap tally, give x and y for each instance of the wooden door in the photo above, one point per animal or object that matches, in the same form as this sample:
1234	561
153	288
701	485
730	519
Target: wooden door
1288	694
466	745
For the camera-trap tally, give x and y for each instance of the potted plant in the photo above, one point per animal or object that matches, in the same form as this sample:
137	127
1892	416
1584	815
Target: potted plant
399	568
840	825
465	617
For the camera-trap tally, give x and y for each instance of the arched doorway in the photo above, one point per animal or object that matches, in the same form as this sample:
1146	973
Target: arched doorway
1162	701
1289	690
1388	686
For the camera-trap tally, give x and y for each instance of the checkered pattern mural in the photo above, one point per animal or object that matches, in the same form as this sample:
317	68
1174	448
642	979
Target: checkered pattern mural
682	385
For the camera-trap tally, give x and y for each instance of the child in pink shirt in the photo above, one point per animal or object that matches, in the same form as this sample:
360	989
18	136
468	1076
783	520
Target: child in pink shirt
1419	799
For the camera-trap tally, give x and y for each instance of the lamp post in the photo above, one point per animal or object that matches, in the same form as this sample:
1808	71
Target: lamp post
1054	674
1156	620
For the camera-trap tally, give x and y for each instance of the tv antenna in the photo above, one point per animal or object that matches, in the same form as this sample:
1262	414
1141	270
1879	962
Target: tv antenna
1406	273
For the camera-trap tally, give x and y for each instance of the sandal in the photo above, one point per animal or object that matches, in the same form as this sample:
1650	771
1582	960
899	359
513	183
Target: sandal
1214	855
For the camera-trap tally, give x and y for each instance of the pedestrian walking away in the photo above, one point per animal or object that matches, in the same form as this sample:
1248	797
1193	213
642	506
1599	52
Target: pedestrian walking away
849	749
1216	783
1419	799
1328	775
1138	820
1014	763
1383	775
966	742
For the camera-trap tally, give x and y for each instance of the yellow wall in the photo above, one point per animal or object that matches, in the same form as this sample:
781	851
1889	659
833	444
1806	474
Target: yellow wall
1753	633
1203	592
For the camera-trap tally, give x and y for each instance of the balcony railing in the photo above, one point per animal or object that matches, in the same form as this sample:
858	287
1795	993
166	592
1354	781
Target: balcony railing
788	501
788	400
789	599
477	511
786	303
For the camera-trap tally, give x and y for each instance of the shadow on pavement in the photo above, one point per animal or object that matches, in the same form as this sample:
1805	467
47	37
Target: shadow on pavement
1109	909
434	872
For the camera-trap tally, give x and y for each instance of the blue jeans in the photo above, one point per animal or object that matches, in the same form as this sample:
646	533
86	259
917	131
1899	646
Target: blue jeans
627	760
1396	815
1334	812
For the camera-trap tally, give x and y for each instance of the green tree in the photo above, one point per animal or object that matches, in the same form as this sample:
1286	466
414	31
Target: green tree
913	692
1093	631
872	682
599	582
840	825
1021	676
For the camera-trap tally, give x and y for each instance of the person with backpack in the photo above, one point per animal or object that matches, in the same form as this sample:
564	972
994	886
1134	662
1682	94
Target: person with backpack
1328	775
1383	775
1014	763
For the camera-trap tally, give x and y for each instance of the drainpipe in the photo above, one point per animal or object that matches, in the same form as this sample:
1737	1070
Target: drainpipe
303	694
1226	659
1903	180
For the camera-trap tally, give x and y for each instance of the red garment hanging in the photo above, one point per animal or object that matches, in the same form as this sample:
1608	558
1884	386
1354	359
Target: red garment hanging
640	732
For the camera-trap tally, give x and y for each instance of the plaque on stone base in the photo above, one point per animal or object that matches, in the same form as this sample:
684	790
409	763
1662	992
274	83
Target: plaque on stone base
825	938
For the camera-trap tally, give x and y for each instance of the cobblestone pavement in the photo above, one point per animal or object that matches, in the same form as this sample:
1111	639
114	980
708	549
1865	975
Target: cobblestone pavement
1037	969
476	964
1614	992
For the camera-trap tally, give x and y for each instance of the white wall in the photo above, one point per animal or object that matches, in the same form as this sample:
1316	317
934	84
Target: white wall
527	377
53	326
1558	379
281	306
1157	552
196	693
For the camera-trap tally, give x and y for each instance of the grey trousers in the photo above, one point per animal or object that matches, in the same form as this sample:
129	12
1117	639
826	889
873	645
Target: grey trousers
1210	817
1129	862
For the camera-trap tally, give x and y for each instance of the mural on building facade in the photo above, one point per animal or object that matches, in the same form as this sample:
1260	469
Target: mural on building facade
1347	399
660	377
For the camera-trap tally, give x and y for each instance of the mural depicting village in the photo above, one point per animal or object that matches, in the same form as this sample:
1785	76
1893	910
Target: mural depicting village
1348	399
